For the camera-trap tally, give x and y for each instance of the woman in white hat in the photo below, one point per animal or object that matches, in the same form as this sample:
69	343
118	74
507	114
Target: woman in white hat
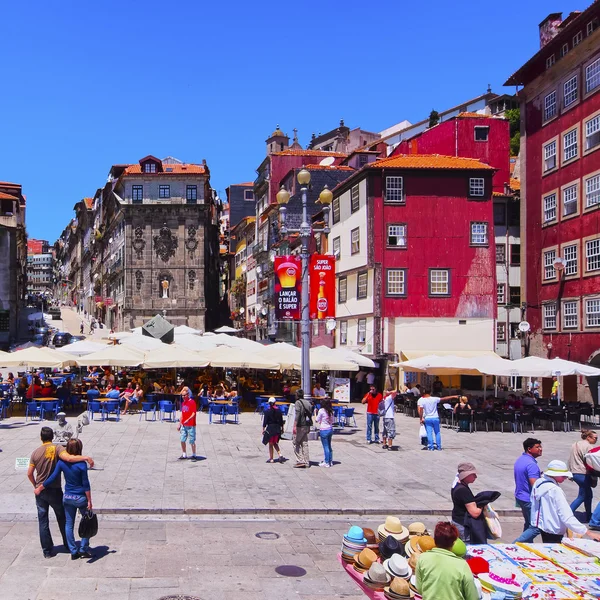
550	511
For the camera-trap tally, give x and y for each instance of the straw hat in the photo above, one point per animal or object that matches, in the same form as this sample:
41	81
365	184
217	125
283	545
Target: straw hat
417	528
397	566
399	589
557	468
377	575
366	558
369	535
412	561
411	546
393	526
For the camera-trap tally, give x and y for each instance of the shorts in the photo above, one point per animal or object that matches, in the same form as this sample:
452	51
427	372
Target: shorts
187	434
389	429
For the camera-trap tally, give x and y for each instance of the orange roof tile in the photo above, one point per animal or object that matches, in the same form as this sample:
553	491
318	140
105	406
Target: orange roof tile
3	183
426	161
472	115
328	168
175	169
310	153
89	203
244	184
4	196
515	184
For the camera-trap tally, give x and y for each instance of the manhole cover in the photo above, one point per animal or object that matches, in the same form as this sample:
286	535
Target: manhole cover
180	597
267	535
290	571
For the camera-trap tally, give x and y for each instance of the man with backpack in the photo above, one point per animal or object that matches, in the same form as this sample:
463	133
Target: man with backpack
386	411
302	424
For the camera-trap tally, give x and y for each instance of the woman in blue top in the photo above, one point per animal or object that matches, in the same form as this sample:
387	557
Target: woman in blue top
78	495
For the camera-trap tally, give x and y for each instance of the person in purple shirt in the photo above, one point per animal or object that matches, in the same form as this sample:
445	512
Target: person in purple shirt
527	471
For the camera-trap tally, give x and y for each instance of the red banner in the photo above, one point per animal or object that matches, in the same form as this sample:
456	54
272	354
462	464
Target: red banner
322	286
288	286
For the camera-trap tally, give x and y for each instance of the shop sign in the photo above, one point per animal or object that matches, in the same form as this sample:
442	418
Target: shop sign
322	286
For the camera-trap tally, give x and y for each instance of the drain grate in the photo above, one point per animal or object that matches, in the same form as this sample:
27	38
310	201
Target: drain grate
290	571
267	535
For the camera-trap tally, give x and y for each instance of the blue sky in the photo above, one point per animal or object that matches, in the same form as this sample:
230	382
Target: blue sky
88	85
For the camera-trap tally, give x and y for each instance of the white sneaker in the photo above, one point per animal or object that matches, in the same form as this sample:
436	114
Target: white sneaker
323	464
327	465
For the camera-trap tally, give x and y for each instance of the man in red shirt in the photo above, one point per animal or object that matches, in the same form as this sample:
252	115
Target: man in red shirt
187	424
372	400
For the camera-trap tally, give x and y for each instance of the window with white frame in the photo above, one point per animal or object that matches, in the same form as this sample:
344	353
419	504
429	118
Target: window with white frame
396	282
549	316
500	332
549	270
479	233
592	312
362	283
394	189
315	327
439	282
249	195
342	290
337	248
577	38
355	241
343	333
550	106
361	337
354	199
550	156
592	191
164	191
590	27
570	91
592	133
191	194
592	76
570	315
571	262
150	167
592	255
477	186
550	61
570	145
137	193
549	208
564	49
570	200
396	236
501	293
500	253
335	209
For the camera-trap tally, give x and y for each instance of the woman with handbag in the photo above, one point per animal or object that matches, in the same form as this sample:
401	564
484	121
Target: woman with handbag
581	474
325	419
272	428
78	495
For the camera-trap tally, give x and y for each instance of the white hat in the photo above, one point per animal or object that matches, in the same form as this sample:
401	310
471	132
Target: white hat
61	414
557	468
272	400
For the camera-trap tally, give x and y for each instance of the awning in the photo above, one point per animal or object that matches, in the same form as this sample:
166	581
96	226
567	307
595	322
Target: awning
412	354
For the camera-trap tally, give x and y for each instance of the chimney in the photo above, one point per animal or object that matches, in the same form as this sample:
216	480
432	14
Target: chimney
549	28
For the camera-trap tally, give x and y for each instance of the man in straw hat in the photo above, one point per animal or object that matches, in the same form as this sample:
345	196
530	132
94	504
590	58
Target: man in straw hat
550	511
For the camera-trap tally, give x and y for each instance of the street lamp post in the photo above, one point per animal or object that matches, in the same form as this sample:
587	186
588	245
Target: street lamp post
306	232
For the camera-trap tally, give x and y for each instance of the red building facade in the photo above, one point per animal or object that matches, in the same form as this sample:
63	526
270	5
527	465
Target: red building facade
560	174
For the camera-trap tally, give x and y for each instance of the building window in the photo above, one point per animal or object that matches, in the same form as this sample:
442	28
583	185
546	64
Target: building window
549	270
394	189
396	282
592	255
570	254
570	145
501	332
396	236
570	91
337	248
570	316
515	295
592	191
564	49
336	210
363	159
150	168
500	214
362	280
500	254
477	187
362	331
550	156
570	200
550	106
479	234
577	38
549	316
514	331
315	328
164	191
501	293
549	208
592	313
482	134
343	333
354	199
592	133
592	76
137	193
355	241
191	194
342	290
439	282
515	255
590	27
248	195
550	61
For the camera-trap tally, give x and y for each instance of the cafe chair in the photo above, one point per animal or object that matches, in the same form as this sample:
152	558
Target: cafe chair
204	403
349	416
49	407
215	409
33	409
506	417
111	407
148	407
480	416
285	409
233	410
5	406
166	407
525	418
94	406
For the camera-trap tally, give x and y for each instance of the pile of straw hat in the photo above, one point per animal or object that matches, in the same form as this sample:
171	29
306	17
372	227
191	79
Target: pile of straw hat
397	566
377	578
399	589
393	527
353	543
363	560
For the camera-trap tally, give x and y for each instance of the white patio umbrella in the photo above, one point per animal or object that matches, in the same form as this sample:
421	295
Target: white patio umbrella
226	329
288	356
224	356
349	355
143	343
195	342
173	356
535	366
82	348
32	358
439	365
327	359
113	356
185	329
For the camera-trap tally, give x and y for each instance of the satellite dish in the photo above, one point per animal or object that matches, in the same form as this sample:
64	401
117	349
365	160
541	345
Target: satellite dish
524	326
558	264
327	162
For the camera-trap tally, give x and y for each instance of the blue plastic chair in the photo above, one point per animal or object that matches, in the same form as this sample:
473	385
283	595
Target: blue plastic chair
349	414
49	407
167	407
94	406
284	408
215	409
4	407
148	407
33	409
111	407
92	395
204	403
234	410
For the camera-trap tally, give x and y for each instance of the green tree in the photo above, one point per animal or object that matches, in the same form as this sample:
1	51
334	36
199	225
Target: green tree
515	144
434	118
514	119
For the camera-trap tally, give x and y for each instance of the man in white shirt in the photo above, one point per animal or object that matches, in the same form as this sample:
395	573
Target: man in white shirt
318	391
415	390
370	378
550	511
